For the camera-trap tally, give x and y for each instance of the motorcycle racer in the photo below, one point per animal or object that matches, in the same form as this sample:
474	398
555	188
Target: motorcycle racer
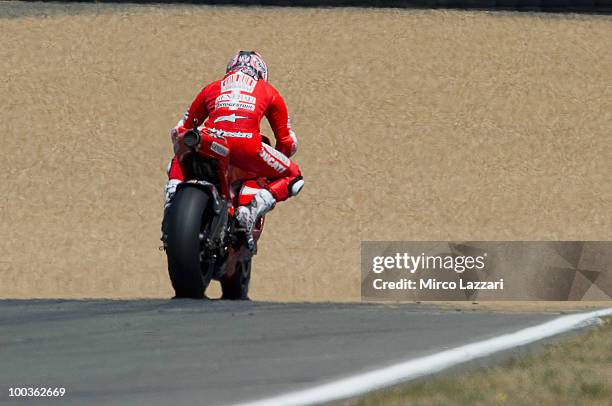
233	107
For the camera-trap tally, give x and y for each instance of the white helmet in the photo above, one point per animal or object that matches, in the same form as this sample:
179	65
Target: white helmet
249	62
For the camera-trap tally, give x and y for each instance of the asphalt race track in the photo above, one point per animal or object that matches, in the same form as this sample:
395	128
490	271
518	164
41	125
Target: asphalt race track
215	353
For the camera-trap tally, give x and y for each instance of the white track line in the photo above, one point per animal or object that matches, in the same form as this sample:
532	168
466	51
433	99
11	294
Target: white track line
404	371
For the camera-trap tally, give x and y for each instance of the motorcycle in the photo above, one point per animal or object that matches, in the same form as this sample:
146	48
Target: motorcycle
200	235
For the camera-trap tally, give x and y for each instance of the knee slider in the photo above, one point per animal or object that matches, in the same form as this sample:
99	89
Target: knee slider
296	185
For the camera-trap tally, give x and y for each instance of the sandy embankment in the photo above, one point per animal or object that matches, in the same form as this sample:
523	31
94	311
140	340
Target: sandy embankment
414	125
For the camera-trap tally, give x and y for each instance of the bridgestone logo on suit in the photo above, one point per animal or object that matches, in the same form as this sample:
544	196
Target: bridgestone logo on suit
235	105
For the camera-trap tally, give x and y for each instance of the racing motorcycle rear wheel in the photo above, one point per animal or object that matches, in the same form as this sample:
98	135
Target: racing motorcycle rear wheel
186	226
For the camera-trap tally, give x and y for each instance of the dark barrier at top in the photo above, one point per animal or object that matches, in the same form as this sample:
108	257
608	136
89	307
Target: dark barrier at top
598	6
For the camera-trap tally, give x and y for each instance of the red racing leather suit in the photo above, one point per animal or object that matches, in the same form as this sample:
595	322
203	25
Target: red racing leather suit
235	105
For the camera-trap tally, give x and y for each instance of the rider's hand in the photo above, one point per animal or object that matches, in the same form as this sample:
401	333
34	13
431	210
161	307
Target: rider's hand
289	149
176	131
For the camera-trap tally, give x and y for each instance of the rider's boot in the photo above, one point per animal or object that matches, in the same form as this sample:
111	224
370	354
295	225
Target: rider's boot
247	216
169	190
